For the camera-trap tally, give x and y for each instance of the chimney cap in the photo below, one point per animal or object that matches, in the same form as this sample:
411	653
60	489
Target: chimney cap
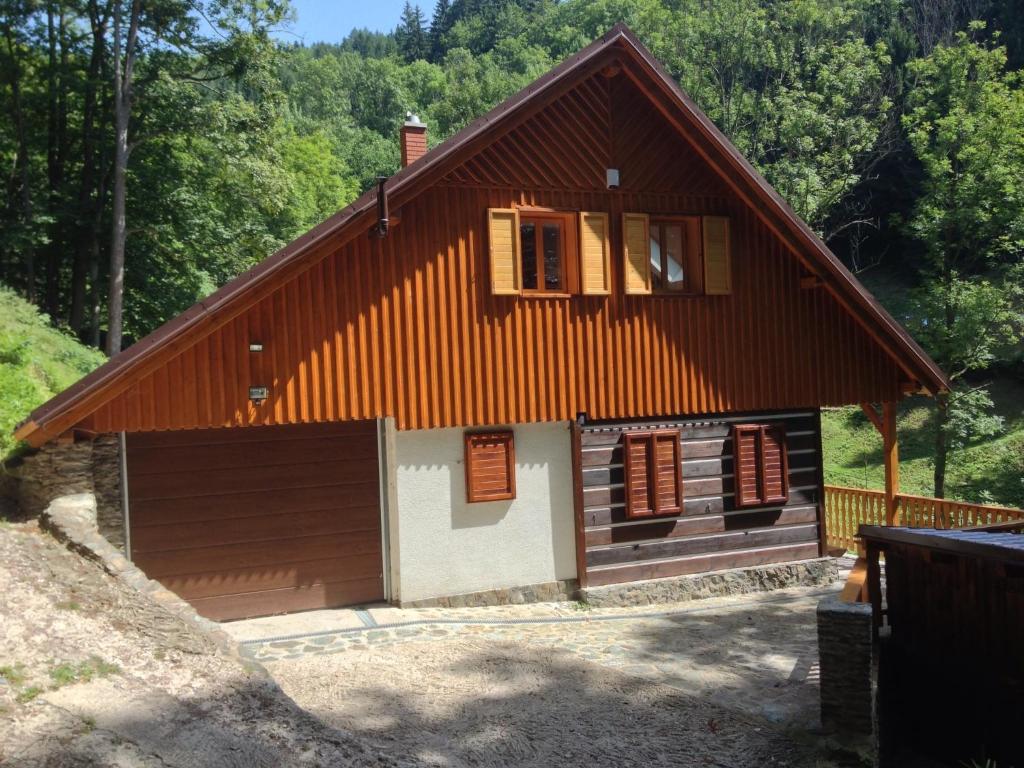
413	121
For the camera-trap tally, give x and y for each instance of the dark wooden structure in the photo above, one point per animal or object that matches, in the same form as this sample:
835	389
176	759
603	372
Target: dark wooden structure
710	531
951	681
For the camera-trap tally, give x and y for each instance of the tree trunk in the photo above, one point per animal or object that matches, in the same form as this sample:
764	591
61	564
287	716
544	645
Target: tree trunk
122	114
941	444
22	163
90	200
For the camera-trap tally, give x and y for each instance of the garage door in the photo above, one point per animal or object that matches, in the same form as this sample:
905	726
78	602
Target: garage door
250	522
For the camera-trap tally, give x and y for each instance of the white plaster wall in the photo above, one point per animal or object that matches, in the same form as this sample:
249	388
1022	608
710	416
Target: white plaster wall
446	546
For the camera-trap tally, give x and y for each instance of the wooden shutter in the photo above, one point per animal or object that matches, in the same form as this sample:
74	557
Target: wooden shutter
653	472
595	254
745	472
717	256
503	240
490	466
760	464
636	244
774	465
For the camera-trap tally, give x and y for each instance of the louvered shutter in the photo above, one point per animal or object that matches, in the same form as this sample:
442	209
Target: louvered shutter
490	466
595	254
774	465
636	243
760	465
717	256
668	473
745	438
653	473
503	242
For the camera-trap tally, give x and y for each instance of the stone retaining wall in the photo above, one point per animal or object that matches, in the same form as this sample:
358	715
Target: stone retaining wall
60	469
738	581
553	591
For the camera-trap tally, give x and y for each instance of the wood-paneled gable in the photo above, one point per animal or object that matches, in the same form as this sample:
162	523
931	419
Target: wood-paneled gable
711	531
408	327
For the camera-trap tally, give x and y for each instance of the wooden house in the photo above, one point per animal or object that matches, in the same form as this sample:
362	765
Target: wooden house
582	342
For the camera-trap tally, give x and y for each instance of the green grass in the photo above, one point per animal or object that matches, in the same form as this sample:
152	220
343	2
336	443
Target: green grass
82	672
36	362
989	472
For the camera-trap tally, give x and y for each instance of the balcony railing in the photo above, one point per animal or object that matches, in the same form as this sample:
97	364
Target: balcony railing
846	509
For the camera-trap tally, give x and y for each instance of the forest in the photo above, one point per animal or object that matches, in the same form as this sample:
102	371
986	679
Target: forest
153	149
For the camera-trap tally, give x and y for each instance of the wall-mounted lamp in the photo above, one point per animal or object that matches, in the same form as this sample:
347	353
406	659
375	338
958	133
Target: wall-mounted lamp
258	394
612	176
255	346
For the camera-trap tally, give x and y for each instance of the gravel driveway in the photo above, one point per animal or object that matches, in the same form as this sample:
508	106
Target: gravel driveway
728	682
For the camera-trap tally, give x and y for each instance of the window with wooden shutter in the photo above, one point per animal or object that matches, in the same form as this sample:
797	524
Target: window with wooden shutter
503	242
717	256
637	251
760	464
490	466
653	472
595	254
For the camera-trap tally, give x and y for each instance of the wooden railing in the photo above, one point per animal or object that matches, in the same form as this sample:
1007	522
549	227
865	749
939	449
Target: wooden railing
846	509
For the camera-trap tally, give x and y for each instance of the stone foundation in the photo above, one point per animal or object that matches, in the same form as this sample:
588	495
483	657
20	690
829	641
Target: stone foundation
36	479
847	661
550	592
739	581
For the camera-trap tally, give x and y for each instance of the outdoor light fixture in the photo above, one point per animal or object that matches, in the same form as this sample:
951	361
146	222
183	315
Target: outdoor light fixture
612	175
255	346
258	394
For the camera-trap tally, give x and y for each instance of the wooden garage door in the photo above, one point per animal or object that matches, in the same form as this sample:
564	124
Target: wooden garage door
250	522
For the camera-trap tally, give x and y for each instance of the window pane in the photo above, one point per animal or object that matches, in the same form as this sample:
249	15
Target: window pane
673	257
552	256
656	278
528	243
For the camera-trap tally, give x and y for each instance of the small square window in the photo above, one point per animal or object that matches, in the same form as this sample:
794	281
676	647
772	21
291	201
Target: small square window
675	255
543	239
490	466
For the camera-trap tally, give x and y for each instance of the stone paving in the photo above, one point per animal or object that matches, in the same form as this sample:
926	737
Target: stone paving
756	654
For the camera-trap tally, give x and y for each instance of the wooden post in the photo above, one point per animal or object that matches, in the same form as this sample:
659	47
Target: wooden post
891	455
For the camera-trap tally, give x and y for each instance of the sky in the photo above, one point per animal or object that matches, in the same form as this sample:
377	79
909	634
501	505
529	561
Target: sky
329	21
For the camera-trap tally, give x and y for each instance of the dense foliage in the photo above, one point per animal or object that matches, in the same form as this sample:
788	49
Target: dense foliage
894	127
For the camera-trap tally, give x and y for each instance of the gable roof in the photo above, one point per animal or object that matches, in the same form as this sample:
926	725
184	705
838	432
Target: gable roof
619	45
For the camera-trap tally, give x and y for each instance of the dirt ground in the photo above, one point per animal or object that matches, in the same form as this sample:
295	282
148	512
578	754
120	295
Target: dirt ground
94	674
704	689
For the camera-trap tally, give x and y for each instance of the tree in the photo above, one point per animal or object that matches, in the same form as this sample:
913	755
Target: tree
440	23
411	34
966	128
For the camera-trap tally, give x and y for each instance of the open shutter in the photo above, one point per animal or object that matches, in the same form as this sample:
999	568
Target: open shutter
490	466
717	256
503	241
653	471
636	243
595	254
745	438
774	465
668	473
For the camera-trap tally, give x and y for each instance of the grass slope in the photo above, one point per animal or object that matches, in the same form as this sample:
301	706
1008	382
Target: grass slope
989	472
36	362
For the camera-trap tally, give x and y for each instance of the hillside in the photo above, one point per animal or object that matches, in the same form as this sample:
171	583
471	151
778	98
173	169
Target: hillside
36	362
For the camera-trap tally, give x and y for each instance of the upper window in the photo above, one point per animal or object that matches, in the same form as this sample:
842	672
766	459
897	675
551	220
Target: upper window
543	243
675	255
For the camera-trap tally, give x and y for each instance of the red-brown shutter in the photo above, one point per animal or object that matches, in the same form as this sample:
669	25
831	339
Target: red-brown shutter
490	466
774	465
745	471
760	466
653	471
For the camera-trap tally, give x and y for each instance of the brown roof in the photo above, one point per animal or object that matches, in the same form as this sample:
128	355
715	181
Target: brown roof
76	402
